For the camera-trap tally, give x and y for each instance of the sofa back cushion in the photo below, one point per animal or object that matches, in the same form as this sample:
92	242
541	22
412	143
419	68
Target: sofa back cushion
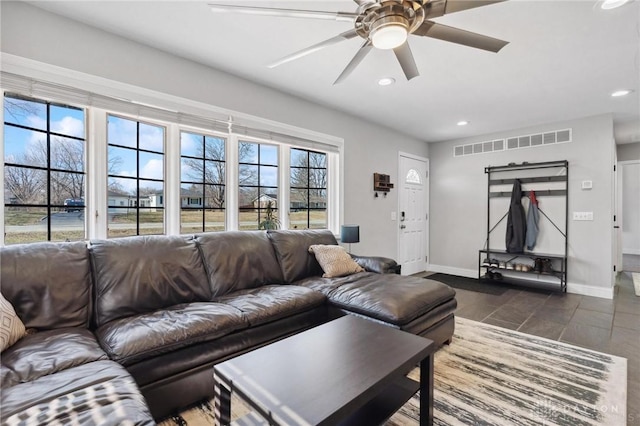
136	275
238	260
48	284
292	250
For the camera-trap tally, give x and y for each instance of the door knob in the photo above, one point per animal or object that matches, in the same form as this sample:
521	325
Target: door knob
403	226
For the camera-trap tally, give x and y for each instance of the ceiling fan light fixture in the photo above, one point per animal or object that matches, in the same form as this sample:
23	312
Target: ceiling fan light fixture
612	4
389	32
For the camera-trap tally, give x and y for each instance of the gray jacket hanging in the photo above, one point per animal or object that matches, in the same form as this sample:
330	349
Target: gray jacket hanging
532	221
516	221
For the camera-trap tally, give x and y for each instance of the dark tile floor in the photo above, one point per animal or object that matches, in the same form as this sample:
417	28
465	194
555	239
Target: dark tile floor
611	326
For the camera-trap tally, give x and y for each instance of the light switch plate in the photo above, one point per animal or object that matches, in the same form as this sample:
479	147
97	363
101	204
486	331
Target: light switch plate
582	215
394	216
587	184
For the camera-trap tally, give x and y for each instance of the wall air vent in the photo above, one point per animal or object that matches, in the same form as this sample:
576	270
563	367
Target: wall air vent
513	142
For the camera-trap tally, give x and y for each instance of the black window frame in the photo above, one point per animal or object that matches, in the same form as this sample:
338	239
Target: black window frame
203	182
48	169
308	188
260	210
136	207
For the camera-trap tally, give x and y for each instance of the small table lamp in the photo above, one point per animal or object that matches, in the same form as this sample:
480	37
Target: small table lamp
350	234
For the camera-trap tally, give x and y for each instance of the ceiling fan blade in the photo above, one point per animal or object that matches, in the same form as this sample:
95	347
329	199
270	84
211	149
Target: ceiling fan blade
436	8
286	13
364	49
304	52
458	36
405	57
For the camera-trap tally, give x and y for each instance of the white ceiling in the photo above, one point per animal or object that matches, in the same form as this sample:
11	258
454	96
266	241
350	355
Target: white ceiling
563	61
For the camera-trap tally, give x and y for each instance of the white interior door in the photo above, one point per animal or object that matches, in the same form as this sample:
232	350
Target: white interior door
413	218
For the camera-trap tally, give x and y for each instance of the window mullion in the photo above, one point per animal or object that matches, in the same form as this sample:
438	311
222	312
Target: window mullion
284	185
172	202
233	190
96	207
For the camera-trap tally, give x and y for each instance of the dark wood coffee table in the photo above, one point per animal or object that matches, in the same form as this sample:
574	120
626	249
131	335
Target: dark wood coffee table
347	371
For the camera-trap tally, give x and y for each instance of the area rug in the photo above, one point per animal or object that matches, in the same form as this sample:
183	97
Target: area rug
470	284
494	376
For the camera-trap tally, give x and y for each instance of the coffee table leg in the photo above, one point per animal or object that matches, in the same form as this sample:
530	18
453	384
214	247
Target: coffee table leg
426	391
221	401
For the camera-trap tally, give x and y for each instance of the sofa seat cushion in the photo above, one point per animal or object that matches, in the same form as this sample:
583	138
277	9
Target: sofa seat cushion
132	339
391	298
100	392
269	303
48	352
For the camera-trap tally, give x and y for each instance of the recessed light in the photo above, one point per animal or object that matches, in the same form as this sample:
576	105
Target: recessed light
463	123
386	81
612	4
619	93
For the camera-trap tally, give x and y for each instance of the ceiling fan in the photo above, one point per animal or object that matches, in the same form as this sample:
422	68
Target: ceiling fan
384	24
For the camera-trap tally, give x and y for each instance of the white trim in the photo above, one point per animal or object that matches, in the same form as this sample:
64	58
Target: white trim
631	251
469	273
171	188
413	156
232	202
586	290
426	186
589	290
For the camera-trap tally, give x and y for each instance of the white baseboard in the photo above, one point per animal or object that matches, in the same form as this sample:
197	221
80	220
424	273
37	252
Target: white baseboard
469	273
585	290
589	290
631	251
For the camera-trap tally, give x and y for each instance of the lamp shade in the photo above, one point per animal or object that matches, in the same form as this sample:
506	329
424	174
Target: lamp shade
350	234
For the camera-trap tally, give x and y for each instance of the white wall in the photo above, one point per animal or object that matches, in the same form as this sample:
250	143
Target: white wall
39	35
459	200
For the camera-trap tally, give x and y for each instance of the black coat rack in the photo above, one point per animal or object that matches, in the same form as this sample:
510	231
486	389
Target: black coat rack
493	264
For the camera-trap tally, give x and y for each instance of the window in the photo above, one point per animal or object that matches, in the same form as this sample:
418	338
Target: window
44	171
308	193
413	177
135	177
202	183
257	185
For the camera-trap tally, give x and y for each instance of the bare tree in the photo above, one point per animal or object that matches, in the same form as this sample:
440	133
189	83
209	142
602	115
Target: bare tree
27	186
213	173
310	172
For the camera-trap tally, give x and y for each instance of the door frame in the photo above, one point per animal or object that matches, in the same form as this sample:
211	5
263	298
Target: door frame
619	203
426	203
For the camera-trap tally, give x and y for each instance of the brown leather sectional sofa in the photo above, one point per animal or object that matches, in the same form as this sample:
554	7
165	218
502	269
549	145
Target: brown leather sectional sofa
149	316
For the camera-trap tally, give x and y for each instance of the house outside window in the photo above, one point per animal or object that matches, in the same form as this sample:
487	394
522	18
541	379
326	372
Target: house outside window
202	183
257	184
136	174
44	171
308	190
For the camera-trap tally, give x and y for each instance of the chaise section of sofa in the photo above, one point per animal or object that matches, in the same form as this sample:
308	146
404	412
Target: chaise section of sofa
419	306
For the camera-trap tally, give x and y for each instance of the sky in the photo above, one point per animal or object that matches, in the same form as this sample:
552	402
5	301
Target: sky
122	132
